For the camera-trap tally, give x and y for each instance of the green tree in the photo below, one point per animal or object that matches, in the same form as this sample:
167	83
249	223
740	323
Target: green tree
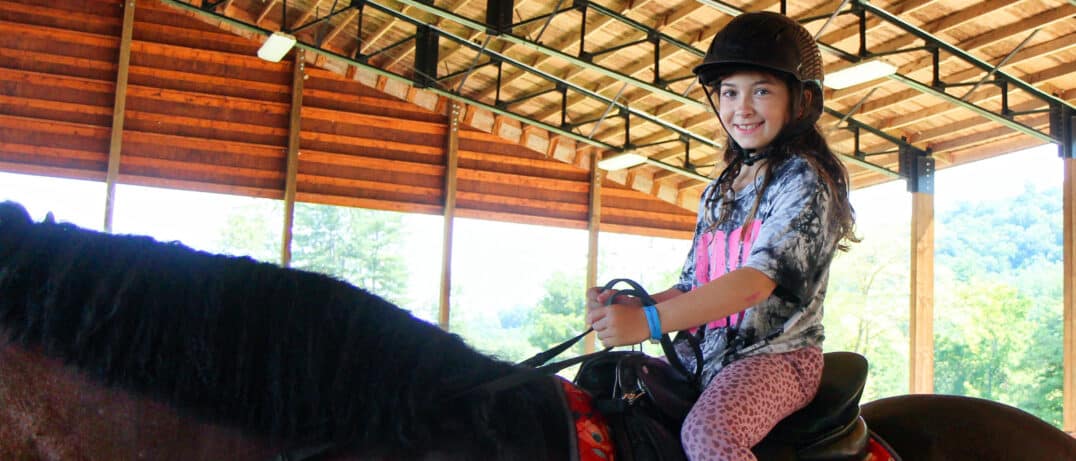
998	301
254	231
358	245
979	338
560	312
866	309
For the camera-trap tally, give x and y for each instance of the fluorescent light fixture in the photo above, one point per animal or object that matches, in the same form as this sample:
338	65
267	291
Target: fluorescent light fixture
621	161
276	46
859	73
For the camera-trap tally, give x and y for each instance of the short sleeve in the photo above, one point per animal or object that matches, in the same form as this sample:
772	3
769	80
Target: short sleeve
797	238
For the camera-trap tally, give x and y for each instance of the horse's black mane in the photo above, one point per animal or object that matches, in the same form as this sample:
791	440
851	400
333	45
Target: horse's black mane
284	353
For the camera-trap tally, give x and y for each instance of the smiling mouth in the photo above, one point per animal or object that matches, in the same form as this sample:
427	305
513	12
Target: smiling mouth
748	126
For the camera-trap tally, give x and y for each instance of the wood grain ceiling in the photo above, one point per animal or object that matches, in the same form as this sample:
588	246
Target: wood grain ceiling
373	137
1034	38
202	112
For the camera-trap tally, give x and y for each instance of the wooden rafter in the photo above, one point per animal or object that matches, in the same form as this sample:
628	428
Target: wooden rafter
268	8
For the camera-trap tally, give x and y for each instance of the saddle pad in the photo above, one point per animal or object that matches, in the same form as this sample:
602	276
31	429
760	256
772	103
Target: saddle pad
592	430
877	452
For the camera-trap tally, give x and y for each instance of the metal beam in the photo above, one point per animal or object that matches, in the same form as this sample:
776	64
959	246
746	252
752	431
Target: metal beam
1063	128
988	114
614	74
955	51
303	25
444	14
532	70
497	56
922	87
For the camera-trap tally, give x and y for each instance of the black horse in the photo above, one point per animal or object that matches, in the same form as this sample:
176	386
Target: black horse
121	346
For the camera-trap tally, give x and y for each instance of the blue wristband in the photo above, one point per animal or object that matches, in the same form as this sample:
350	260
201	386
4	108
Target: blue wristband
654	322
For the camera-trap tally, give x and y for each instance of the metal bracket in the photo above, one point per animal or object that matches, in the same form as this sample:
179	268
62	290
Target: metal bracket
333	12
426	49
917	166
1063	129
210	6
499	16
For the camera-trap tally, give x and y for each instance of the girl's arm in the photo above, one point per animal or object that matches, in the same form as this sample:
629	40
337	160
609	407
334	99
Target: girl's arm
621	324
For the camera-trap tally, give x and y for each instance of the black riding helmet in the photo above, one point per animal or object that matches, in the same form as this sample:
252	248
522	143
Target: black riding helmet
771	42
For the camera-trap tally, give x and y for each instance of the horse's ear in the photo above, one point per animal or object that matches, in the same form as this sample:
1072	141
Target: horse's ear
49	218
13	214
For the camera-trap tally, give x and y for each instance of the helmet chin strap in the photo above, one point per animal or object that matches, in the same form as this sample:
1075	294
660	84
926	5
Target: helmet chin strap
751	156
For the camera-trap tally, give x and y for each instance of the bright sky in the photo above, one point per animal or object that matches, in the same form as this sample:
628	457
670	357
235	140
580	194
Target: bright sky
172	214
991	179
501	258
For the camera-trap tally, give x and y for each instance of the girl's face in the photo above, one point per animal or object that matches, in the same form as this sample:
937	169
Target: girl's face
753	106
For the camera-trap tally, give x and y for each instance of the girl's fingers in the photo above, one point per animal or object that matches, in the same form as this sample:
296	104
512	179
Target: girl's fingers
604	295
595	315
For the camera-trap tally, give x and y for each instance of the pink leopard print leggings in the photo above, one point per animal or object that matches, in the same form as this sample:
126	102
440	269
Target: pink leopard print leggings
745	400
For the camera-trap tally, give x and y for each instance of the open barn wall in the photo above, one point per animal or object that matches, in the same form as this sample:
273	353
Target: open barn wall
204	113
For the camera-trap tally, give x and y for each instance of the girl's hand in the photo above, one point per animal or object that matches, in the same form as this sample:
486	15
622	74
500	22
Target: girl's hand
619	324
597	297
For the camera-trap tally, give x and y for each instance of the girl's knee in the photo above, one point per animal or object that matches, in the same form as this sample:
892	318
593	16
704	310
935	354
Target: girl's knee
702	444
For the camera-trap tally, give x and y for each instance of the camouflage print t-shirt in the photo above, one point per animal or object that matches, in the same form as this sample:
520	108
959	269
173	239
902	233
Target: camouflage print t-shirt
792	240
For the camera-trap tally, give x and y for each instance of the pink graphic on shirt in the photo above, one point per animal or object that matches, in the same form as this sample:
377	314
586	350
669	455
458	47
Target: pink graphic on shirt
717	253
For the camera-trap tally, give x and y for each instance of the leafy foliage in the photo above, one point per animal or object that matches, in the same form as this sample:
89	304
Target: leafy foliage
360	246
997	290
998	325
866	308
560	313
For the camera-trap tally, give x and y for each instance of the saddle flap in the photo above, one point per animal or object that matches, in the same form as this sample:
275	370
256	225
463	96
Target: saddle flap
834	408
672	393
849	446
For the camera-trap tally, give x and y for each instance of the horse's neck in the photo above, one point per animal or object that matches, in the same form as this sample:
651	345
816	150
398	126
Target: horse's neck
49	411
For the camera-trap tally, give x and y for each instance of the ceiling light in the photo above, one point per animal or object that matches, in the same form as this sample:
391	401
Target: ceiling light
860	73
621	161
276	46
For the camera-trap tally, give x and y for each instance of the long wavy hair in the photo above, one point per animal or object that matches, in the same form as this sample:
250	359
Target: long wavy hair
801	137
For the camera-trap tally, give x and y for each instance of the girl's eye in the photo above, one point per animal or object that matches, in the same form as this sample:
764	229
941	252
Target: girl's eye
762	91
728	94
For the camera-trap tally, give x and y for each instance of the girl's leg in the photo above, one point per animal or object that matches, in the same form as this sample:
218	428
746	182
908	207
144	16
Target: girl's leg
746	399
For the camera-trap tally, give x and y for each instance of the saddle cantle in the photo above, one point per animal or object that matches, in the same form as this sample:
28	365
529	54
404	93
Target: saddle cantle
829	428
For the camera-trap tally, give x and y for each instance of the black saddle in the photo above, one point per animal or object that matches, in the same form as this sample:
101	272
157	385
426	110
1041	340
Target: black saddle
829	428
